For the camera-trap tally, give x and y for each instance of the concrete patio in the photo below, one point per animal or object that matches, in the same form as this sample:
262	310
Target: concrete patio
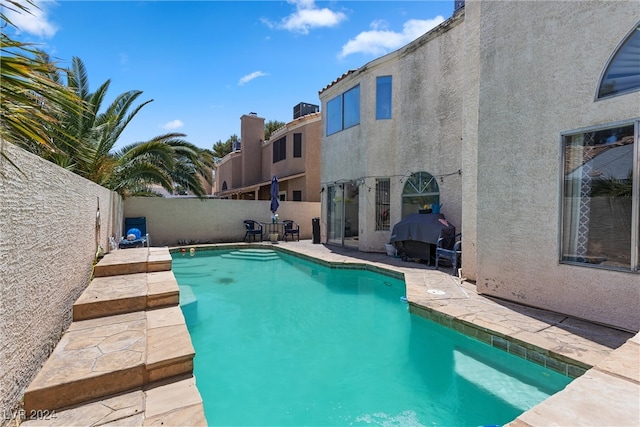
113	366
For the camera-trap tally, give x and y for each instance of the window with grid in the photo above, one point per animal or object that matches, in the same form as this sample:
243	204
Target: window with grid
383	187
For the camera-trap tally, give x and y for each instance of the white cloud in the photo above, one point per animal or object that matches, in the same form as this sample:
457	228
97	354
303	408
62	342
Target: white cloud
35	21
173	124
308	16
379	40
249	77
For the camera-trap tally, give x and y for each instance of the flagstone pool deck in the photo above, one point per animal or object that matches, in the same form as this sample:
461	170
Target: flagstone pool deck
127	358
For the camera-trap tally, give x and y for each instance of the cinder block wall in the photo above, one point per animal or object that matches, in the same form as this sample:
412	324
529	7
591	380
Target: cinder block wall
170	220
48	240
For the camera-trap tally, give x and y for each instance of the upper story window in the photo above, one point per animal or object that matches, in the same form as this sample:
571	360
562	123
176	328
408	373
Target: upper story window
280	149
297	145
599	197
343	111
623	71
383	97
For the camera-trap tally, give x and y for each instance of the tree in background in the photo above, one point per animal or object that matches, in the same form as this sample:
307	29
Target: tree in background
270	127
221	149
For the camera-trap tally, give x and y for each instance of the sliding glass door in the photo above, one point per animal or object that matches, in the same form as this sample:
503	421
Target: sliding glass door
342	214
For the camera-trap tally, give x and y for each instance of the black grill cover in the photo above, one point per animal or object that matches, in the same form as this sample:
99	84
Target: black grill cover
425	228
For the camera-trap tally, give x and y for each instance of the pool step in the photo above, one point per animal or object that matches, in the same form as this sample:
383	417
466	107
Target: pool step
177	403
130	261
106	296
100	357
188	304
253	254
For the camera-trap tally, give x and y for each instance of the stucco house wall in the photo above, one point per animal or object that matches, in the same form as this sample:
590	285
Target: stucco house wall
229	171
248	171
469	151
309	164
252	135
490	92
49	232
423	135
539	72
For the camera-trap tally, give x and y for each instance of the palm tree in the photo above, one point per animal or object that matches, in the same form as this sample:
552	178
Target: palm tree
85	146
29	98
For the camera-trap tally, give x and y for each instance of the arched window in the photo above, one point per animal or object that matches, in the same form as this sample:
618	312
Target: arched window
622	74
224	185
420	192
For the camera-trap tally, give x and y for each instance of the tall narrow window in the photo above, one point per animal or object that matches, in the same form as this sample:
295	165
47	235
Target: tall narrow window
382	203
600	201
351	107
334	115
383	97
297	145
280	149
623	71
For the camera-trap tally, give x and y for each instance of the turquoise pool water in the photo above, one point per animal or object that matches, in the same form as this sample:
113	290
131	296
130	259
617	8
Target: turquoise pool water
281	341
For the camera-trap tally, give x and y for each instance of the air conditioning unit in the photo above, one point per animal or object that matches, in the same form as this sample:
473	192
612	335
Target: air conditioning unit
303	109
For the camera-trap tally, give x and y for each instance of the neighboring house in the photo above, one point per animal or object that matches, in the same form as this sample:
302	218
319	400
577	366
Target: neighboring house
521	119
292	154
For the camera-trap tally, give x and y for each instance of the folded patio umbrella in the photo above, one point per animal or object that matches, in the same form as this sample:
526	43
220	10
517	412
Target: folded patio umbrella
274	194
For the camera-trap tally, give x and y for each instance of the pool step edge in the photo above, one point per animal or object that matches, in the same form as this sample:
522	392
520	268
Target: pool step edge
131	261
107	296
99	357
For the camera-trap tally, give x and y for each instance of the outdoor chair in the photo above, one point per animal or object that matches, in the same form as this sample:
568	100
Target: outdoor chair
135	233
254	228
291	228
449	248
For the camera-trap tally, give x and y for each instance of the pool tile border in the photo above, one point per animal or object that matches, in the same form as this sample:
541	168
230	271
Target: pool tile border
556	362
511	345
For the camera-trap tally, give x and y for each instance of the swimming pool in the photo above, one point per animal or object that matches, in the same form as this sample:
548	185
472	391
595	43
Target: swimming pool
284	341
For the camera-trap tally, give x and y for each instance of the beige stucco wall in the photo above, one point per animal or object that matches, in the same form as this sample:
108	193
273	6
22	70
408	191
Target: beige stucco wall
309	164
469	152
252	136
211	220
424	134
535	84
229	171
48	240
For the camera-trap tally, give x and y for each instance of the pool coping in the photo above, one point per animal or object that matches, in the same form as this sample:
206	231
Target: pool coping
602	360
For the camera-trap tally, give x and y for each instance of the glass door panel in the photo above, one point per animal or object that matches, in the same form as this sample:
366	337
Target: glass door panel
335	212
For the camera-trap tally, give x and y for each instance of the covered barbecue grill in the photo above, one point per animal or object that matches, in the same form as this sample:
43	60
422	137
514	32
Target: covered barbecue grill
416	236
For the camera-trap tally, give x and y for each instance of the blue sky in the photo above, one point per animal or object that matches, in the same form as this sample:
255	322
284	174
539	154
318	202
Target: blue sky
206	63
